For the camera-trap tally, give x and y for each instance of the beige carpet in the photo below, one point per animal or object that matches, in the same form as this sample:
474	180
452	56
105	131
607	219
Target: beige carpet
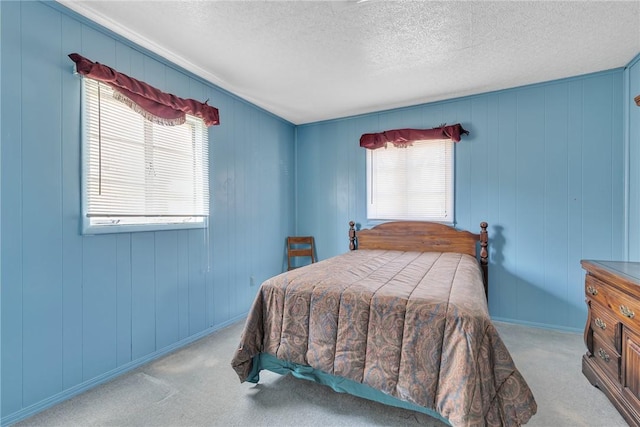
195	386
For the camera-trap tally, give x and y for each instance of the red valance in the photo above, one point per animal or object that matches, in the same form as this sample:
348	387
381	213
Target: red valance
169	108
404	137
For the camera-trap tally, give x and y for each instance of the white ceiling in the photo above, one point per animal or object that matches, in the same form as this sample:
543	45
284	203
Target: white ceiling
308	61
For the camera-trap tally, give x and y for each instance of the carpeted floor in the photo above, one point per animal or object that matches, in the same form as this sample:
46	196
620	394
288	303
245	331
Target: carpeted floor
195	386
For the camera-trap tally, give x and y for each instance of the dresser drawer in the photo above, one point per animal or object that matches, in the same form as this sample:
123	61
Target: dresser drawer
605	324
606	358
596	290
624	307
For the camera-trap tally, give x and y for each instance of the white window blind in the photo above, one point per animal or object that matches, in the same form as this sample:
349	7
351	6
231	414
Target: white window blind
412	183
138	173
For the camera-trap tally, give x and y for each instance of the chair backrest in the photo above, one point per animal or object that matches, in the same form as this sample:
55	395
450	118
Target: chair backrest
300	246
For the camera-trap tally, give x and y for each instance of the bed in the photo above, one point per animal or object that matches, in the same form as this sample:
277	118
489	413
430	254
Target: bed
402	319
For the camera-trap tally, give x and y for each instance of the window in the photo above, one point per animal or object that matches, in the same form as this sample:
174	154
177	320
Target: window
138	175
411	183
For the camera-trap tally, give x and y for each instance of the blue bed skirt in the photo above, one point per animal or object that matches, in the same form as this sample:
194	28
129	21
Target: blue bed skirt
341	385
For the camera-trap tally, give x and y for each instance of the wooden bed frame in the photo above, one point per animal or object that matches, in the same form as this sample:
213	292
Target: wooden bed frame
423	237
382	331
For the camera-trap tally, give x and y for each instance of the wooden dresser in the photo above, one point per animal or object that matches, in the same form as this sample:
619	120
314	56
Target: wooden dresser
612	333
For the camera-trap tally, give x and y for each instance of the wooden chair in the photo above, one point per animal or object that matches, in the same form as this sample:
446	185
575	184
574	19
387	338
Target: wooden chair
300	246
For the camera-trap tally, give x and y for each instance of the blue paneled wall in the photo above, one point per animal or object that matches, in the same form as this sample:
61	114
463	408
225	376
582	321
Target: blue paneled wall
632	126
79	309
544	165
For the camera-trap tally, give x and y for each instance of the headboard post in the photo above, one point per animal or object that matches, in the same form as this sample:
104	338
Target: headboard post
484	255
352	236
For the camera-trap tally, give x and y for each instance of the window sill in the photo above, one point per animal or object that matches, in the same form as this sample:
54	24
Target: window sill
111	229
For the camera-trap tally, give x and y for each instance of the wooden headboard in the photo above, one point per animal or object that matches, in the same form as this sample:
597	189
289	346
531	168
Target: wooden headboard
423	237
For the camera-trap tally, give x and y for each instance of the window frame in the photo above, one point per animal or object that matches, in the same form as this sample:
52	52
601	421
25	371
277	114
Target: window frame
89	228
374	218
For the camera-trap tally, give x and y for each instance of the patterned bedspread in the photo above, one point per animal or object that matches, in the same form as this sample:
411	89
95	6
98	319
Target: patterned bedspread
414	325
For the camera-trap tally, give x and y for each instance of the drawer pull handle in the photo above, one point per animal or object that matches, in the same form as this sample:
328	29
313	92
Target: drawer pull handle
601	324
592	290
627	312
603	355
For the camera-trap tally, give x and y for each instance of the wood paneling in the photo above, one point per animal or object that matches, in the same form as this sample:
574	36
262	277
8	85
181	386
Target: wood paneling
143	294
72	241
11	270
99	322
79	309
42	212
633	117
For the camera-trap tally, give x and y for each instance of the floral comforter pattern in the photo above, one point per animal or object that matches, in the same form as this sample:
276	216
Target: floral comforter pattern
414	325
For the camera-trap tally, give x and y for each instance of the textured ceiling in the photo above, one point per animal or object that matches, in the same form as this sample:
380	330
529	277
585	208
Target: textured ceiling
308	61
